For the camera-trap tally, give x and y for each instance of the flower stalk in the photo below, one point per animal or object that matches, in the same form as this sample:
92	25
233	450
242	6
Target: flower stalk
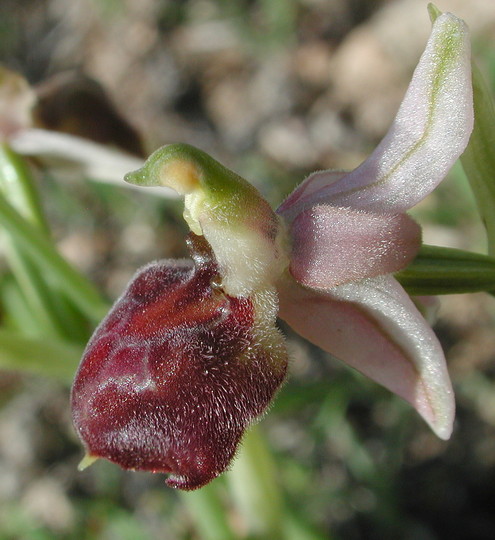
254	486
209	513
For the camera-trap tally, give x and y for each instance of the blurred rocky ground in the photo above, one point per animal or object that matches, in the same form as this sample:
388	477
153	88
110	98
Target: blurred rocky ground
306	84
274	90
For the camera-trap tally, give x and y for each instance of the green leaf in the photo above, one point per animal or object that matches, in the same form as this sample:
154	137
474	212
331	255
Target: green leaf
18	187
38	247
478	159
38	356
46	296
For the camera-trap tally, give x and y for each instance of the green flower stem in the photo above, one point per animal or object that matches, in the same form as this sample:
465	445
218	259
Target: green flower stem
41	250
254	487
209	513
39	356
478	159
296	528
438	270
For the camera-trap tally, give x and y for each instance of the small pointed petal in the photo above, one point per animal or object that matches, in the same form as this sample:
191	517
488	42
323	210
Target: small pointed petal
86	462
374	327
429	133
332	245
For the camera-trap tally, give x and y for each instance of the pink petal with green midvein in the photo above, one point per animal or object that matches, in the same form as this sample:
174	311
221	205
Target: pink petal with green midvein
374	327
332	245
429	133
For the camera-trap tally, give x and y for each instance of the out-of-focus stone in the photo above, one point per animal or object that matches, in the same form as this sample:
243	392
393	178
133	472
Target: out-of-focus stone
311	63
288	142
240	103
47	503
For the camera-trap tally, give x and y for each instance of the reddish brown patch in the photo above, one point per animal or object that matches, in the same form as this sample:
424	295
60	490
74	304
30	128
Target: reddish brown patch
173	376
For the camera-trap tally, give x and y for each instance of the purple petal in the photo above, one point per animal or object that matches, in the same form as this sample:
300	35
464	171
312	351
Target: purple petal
429	133
332	245
374	327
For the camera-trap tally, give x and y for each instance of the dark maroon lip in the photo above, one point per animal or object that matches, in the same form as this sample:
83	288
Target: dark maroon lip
174	374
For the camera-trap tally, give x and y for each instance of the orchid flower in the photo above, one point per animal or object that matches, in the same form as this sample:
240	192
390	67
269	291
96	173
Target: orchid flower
190	354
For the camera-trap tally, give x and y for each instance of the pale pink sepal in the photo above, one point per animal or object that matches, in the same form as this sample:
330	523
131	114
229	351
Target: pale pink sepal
429	133
374	327
332	245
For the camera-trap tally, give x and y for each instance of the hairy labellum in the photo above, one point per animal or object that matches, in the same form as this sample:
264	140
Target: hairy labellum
176	372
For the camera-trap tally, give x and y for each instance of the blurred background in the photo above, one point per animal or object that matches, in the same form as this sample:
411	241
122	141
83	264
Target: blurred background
274	89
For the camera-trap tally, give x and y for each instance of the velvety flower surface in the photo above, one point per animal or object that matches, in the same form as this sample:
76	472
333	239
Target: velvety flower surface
176	372
190	355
